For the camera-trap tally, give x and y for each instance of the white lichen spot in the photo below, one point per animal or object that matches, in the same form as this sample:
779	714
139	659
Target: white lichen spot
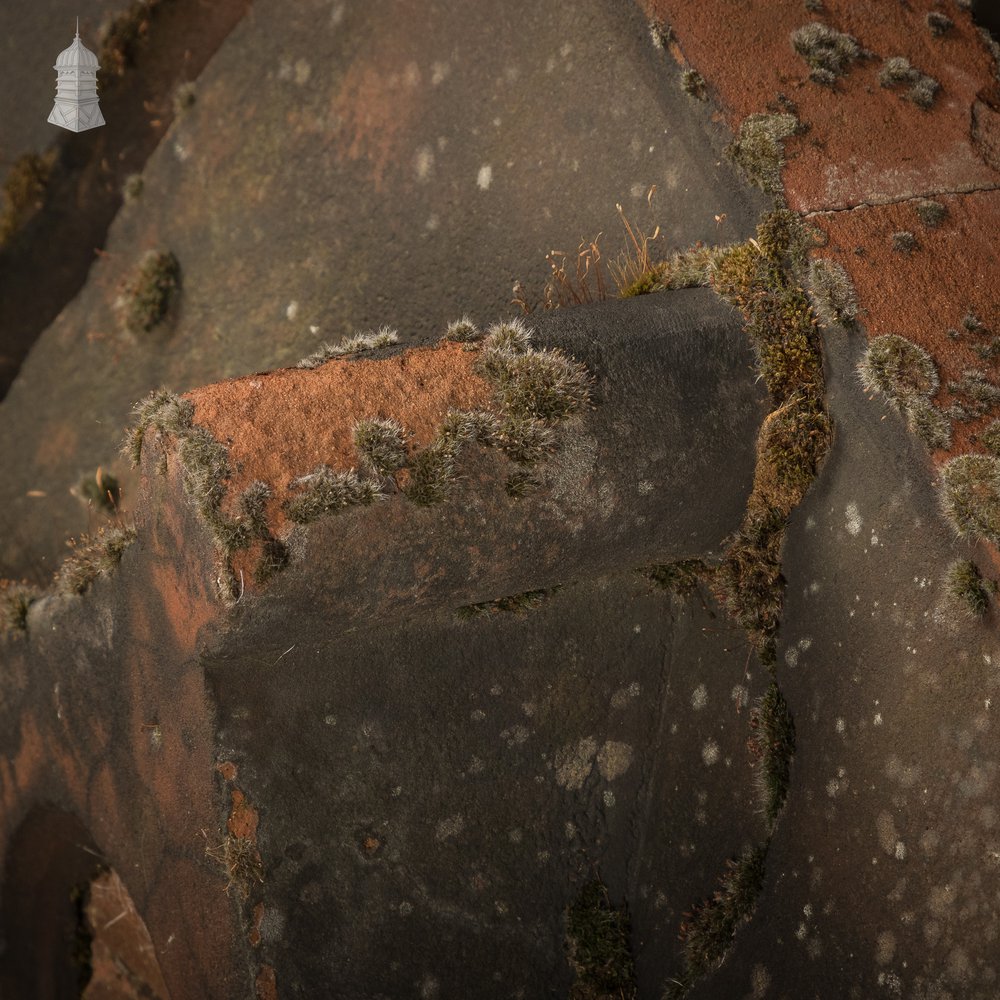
529	708
515	836
740	695
181	151
802	932
574	762
485	177
840	725
886	829
832	788
710	752
501	908
792	656
433	223
477	715
609	798
900	851
565	50
699	697
624	695
496	690
853	519
614	760
439	70
569	830
877	720
405	908
411	75
451	826
515	736
302	72
430	988
760	982
645	488
329	720
291	310
423	163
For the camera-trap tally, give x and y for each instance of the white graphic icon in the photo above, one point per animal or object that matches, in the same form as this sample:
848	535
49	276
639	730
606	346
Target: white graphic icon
76	106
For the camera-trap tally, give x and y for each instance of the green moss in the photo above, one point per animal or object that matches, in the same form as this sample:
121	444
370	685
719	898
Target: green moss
939	24
324	492
832	293
896	71
463	331
966	592
597	944
92	556
758	148
273	559
643	285
930	213
381	445
162	409
521	483
710	928
121	39
693	84
772	746
680	578
359	343
929	423
15	601
525	439
828	53
516	603
147	295
797	439
432	474
989	438
898	369
24	192
970	496
543	384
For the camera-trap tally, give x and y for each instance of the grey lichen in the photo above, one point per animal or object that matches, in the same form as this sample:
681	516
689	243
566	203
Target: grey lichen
758	148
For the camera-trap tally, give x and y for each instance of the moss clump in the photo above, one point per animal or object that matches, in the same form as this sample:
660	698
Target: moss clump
828	53
680	578
970	496
977	395
241	862
162	409
384	336
525	439
432	474
185	97
898	369
938	24
462	331
24	192
91	556
772	745
597	945
15	601
381	445
516	603
758	151
897	71
693	84
543	384
929	423
710	927
148	293
966	592
904	242
101	490
466	426
120	38
989	438
521	483
132	188
832	293
931	213
324	491
273	559
755	277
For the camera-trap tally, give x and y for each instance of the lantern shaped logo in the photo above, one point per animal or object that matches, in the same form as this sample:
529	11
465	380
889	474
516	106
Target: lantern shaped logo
76	106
